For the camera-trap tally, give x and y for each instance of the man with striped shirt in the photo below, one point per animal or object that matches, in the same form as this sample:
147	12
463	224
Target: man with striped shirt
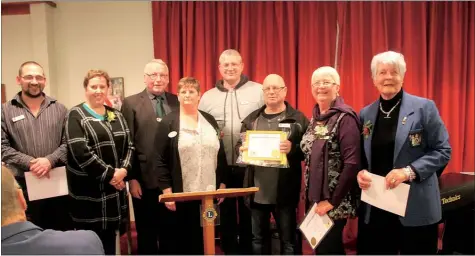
33	141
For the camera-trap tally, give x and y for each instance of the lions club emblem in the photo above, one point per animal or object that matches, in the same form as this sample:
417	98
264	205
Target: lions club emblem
210	214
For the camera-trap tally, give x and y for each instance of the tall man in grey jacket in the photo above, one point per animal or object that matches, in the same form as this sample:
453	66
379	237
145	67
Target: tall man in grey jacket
232	100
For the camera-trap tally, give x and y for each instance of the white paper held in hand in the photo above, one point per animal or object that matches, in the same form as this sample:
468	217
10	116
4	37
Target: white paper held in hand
314	227
56	185
392	200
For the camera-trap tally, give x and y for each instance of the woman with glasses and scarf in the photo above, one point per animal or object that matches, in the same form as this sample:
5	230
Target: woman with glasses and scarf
331	146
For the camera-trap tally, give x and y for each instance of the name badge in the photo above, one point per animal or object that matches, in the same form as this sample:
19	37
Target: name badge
284	125
18	118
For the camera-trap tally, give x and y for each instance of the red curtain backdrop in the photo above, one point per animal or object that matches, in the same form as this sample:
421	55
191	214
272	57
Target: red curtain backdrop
437	40
294	38
286	38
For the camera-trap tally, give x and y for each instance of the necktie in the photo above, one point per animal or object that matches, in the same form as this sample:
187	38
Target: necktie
159	107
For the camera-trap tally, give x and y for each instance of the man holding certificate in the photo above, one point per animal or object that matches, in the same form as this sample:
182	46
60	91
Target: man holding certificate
276	145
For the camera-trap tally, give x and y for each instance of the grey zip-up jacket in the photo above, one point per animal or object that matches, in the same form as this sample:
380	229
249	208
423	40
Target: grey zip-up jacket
229	108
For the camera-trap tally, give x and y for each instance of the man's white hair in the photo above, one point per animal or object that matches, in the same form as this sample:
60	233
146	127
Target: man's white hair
389	57
154	61
229	52
326	71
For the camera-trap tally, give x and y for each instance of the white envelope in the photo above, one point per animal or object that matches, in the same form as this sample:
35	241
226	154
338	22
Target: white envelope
56	185
391	200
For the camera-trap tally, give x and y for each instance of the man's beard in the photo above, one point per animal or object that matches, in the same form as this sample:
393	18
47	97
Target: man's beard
27	92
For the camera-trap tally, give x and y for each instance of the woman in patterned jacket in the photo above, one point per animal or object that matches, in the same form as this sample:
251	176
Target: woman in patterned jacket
331	146
99	156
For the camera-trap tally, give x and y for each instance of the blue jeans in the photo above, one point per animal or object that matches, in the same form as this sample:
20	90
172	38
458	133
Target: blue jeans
286	220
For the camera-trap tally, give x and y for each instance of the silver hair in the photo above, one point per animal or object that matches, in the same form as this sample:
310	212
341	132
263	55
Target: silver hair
326	70
229	52
159	61
389	57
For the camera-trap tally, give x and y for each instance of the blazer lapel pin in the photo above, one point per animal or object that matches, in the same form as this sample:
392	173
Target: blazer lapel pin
404	120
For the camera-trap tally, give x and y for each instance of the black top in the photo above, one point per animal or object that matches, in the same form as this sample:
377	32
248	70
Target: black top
270	116
167	157
288	187
382	148
382	144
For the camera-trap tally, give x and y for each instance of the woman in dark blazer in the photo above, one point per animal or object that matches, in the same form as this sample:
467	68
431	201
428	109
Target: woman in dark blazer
190	158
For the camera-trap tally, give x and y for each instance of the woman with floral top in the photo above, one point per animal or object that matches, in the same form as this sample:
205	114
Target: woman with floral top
99	156
331	146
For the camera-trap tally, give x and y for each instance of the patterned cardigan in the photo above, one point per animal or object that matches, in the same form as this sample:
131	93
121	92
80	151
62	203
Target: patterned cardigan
95	148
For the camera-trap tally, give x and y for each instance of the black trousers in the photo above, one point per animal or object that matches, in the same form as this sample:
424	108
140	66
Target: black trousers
50	213
332	243
184	230
108	237
151	220
286	220
385	235
235	218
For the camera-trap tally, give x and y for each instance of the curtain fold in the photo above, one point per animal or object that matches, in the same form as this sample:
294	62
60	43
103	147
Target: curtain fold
286	38
437	41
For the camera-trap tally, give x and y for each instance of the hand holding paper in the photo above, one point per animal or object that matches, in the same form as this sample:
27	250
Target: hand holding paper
56	185
314	227
264	148
392	200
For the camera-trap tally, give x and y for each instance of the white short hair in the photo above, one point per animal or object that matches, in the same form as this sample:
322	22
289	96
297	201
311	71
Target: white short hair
229	52
389	57
326	71
154	61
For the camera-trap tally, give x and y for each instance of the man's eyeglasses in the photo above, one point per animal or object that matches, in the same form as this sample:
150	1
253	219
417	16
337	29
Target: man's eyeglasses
155	76
322	84
30	78
274	89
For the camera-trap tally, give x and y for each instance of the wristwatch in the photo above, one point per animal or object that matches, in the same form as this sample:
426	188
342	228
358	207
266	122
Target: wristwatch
410	174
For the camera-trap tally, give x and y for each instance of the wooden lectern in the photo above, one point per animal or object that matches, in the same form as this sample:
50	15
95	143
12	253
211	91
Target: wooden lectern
208	212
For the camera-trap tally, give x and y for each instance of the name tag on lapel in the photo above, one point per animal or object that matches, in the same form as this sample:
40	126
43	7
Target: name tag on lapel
18	118
284	125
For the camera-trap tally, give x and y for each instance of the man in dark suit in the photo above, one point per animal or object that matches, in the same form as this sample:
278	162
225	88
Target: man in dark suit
20	236
142	112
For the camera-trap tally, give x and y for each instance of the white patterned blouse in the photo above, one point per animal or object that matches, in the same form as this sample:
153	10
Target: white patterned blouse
198	149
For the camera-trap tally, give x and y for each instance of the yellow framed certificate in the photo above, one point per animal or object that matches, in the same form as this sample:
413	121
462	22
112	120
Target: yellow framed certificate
264	145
